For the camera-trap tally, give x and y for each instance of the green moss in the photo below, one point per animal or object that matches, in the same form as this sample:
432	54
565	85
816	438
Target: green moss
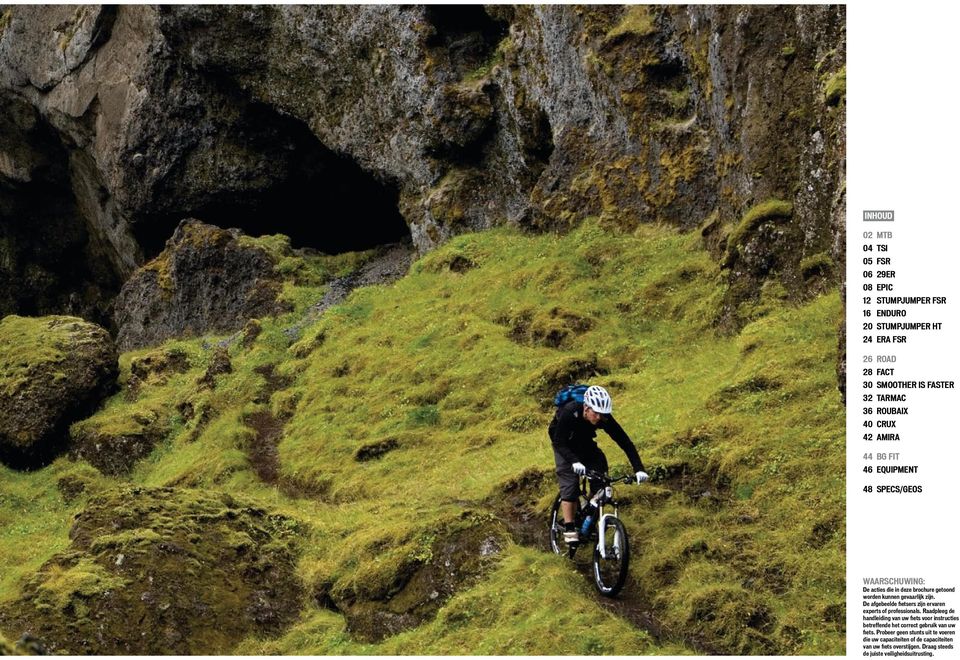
162	268
835	87
461	254
36	513
771	209
5	19
816	264
677	99
276	245
64	586
483	71
798	114
26	342
636	20
788	51
212	565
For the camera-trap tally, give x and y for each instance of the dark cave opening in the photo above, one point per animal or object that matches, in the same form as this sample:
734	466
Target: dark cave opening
667	73
49	263
319	198
467	32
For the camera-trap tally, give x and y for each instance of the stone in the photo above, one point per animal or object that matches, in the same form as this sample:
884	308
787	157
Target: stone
53	371
206	280
638	114
115	448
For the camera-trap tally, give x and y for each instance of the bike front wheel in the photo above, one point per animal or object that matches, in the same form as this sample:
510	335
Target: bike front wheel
610	571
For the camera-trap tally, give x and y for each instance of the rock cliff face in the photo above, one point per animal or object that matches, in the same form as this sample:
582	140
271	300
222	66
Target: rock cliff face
346	127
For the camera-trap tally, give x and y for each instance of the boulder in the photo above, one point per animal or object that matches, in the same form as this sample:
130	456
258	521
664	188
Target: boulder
462	553
207	279
162	571
115	448
53	371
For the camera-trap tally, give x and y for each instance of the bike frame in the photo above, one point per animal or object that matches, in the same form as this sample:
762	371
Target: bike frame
605	500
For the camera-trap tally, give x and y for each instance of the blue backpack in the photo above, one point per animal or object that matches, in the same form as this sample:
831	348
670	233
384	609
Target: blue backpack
569	393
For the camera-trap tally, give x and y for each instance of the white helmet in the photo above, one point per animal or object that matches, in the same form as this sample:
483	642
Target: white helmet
597	398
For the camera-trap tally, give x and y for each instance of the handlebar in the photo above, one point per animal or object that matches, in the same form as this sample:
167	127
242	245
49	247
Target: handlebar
606	480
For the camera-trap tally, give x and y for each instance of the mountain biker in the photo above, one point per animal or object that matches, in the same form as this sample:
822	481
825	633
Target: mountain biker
572	434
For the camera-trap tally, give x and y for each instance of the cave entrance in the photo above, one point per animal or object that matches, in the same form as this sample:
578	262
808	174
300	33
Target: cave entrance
50	262
320	199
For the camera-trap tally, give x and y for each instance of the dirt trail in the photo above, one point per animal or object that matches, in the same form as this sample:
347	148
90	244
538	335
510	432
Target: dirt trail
391	263
268	428
262	451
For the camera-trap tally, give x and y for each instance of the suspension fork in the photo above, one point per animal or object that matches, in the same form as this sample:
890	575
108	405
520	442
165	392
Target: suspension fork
602	528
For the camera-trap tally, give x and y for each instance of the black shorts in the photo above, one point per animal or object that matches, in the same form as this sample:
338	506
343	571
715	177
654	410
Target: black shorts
568	479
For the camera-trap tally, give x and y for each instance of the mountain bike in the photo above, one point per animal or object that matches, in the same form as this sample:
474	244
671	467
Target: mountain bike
611	547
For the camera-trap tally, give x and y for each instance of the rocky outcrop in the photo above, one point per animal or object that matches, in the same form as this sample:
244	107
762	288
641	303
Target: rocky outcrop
206	280
197	572
458	118
53	370
114	451
456	559
112	442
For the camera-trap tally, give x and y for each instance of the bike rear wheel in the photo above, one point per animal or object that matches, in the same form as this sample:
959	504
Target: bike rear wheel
610	572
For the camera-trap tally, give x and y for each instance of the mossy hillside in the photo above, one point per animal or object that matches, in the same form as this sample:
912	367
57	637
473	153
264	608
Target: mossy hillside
433	383
655	293
428	371
760	519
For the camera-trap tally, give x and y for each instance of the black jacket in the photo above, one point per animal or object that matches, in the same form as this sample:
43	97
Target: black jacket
574	438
